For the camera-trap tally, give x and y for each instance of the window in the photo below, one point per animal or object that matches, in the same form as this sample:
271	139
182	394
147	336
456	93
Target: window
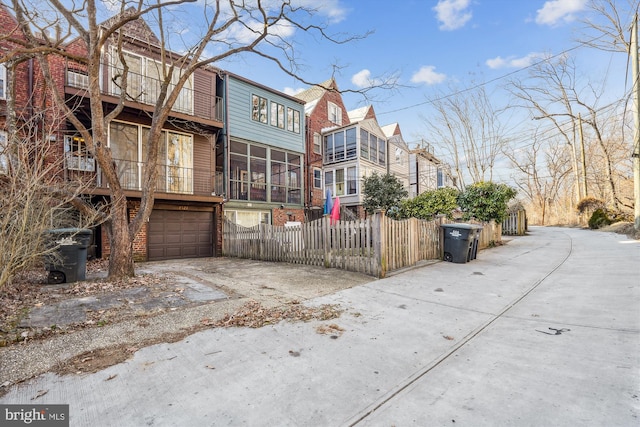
342	186
338	146
294	184
352	180
340	182
144	79
262	174
373	148
317	143
277	115
259	109
175	164
317	178
258	169
341	145
351	143
293	120
334	113
364	144
77	156
3	81
382	156
328	148
238	171
248	218
4	153
328	180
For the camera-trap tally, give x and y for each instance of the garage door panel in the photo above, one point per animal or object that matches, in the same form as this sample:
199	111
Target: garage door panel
180	234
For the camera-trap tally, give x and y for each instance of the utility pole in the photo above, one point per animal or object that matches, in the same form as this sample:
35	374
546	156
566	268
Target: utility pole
636	120
584	161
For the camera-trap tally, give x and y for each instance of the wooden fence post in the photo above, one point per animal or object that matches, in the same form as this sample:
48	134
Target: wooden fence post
380	243
326	241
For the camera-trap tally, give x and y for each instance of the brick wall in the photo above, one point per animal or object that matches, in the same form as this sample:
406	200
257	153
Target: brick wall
281	216
317	121
140	241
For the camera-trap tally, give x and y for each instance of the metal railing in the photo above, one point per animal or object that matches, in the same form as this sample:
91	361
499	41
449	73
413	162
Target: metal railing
145	89
170	179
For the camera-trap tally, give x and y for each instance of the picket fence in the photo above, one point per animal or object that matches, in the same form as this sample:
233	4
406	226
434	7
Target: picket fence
373	246
515	224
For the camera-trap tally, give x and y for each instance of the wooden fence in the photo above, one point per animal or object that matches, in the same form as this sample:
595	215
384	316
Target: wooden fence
372	246
515	224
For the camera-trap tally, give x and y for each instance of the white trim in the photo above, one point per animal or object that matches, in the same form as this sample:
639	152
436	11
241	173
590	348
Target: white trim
4	157
3	79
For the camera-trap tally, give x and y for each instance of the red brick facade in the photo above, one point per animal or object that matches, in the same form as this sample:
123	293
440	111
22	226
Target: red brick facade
317	120
37	106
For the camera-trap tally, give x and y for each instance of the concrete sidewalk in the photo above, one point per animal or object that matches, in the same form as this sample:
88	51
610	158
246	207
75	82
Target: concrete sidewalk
543	331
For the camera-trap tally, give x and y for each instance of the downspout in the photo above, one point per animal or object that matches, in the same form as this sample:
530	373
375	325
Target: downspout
30	103
307	162
226	139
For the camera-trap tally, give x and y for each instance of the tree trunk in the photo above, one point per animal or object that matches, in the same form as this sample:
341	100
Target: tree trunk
121	263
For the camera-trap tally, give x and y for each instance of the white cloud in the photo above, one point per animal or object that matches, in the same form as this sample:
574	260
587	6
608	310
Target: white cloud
292	91
331	9
428	75
363	79
513	62
555	11
452	14
247	32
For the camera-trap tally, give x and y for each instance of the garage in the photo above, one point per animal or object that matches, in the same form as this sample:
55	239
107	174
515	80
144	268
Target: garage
174	234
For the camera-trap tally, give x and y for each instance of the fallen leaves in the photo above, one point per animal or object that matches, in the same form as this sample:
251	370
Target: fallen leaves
254	315
29	290
332	330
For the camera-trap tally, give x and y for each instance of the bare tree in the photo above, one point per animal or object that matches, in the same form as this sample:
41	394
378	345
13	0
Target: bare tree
468	128
229	28
610	22
556	94
541	174
33	199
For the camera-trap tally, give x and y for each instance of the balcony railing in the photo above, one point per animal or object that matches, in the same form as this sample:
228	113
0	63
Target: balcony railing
170	179
145	89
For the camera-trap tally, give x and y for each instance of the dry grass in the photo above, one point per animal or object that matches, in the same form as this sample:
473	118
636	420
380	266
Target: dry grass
625	228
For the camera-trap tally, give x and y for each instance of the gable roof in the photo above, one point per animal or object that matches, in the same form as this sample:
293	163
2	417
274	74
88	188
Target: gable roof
316	92
362	113
137	29
391	130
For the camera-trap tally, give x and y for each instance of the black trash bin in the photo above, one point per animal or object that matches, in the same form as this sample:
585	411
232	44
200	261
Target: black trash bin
473	254
457	242
68	262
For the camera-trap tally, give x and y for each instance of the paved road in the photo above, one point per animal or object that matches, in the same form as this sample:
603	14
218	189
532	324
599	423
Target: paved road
544	331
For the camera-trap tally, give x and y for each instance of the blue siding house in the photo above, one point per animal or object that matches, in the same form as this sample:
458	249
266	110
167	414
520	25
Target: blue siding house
264	149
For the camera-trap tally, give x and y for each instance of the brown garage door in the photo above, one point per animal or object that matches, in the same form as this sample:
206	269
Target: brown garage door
180	234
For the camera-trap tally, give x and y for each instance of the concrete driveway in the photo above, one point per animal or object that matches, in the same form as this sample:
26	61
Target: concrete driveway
544	331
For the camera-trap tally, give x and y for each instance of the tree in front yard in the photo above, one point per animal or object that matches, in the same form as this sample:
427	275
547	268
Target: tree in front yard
382	192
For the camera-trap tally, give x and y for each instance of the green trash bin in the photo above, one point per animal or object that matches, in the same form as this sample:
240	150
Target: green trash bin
457	242
68	262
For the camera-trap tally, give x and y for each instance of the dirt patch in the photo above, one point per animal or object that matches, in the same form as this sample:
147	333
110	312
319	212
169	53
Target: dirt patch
29	291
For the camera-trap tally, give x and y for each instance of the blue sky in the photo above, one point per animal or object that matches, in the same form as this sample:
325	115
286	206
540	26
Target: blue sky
432	45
